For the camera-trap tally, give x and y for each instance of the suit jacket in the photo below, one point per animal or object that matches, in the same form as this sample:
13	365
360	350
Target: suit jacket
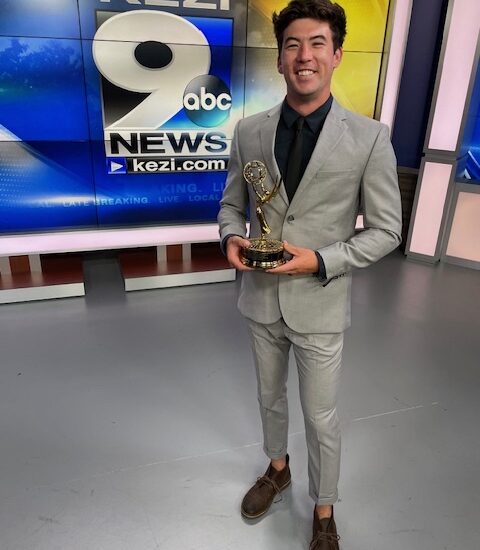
353	165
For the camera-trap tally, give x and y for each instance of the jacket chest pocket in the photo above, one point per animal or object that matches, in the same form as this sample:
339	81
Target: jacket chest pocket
337	184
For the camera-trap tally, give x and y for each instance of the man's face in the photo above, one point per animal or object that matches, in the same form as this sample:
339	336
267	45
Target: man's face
307	61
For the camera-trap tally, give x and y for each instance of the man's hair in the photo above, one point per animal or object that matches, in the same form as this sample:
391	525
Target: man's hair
323	10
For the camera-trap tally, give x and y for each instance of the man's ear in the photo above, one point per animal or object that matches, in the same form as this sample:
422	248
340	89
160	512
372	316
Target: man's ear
279	65
337	57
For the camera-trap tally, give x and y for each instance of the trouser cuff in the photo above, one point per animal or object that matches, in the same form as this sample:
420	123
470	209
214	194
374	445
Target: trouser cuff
275	455
324	500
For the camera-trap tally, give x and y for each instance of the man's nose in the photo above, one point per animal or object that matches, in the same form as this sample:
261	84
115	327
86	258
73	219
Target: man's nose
304	52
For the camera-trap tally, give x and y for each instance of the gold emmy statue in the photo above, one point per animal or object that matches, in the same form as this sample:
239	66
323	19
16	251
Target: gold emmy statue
263	253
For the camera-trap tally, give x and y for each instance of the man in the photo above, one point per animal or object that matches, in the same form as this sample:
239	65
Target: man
342	161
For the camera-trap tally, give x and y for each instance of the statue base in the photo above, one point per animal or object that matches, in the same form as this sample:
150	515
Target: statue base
263	254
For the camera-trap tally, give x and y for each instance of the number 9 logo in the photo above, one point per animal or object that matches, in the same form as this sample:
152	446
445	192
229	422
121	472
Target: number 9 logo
116	48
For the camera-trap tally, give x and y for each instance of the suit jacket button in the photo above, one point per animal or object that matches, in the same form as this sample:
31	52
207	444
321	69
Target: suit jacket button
290	218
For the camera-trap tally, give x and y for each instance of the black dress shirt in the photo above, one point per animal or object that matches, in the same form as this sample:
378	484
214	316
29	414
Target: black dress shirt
283	141
286	133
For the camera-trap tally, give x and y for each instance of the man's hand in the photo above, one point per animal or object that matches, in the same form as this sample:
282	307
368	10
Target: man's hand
303	261
234	247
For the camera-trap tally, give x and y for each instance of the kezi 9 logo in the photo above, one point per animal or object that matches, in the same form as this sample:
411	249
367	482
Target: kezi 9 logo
213	5
169	58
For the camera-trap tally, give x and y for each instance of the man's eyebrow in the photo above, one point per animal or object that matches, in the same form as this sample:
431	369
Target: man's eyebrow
316	37
292	38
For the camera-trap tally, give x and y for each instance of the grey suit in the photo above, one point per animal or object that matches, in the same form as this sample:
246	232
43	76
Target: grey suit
353	165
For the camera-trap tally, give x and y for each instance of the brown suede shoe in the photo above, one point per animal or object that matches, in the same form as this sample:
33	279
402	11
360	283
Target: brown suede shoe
324	533
259	498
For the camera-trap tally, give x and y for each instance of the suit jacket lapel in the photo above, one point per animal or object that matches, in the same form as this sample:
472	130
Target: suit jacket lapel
329	138
267	137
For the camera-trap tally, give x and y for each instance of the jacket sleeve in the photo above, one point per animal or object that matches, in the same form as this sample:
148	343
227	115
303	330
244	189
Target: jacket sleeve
380	197
234	203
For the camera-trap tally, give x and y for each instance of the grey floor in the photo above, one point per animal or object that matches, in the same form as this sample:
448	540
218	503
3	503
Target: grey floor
130	422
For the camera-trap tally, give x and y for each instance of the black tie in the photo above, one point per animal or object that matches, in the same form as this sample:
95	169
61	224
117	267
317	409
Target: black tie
292	178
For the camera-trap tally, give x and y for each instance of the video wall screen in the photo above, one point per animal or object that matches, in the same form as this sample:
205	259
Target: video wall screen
468	167
117	113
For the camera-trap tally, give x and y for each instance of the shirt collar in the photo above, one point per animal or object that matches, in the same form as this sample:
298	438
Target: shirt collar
314	120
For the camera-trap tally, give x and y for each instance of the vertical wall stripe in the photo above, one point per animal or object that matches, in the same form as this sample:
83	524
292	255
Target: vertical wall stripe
401	24
430	206
464	241
456	72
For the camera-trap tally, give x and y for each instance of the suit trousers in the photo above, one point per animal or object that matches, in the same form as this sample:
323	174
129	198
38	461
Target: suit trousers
318	358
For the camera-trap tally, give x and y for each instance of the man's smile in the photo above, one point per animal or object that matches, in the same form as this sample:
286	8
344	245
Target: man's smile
305	72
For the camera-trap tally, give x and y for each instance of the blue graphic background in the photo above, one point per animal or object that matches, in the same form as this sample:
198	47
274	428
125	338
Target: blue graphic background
469	162
53	172
52	18
42	89
46	185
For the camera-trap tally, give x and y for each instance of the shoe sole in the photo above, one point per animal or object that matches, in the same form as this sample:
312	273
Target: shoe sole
250	516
